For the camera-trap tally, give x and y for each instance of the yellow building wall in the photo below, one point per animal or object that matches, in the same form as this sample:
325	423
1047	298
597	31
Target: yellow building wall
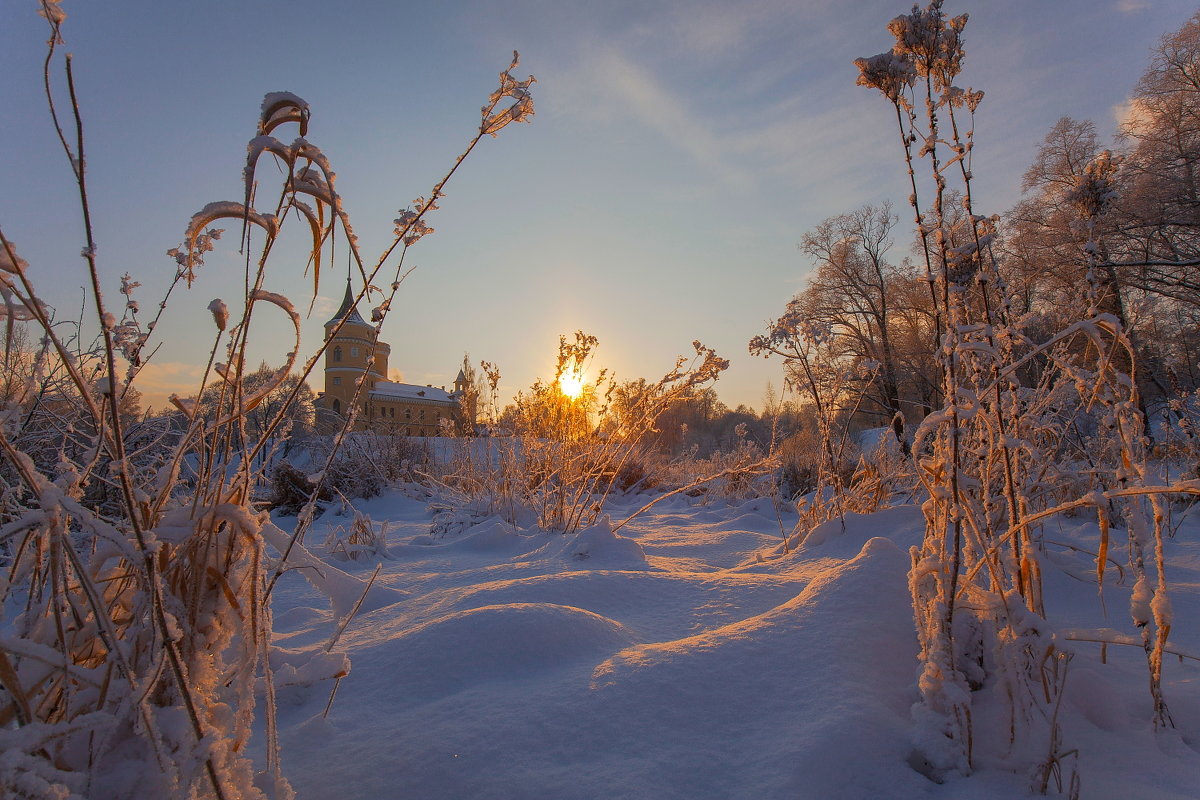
411	418
347	358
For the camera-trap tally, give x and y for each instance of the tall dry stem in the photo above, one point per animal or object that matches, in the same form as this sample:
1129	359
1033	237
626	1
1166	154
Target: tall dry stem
983	457
135	619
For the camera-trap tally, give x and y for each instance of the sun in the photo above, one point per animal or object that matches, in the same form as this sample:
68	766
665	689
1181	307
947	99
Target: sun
571	384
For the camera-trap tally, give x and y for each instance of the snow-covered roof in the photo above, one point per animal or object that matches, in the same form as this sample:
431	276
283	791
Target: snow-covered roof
348	309
390	390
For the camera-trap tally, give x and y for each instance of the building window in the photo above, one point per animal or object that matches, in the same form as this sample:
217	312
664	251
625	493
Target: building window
337	406
422	415
337	353
408	413
337	381
354	351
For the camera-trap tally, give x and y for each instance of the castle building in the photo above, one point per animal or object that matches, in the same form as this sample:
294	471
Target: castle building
387	406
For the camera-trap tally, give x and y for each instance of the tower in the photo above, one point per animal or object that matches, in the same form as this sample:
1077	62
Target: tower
348	357
399	409
468	400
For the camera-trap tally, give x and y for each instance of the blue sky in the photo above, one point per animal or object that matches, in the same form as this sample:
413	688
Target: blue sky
679	152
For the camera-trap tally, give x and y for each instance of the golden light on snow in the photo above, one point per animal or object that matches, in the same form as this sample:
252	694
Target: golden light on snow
570	383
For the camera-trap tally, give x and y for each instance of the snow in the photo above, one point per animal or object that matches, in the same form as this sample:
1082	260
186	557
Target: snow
51	10
410	391
275	100
228	209
281	107
684	656
277	299
220	313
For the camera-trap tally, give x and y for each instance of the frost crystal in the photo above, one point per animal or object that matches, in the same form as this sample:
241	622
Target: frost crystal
220	313
51	10
887	72
1139	602
198	239
11	262
281	107
129	339
1095	189
410	226
520	111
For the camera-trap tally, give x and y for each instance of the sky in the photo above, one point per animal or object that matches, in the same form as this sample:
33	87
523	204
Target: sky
679	152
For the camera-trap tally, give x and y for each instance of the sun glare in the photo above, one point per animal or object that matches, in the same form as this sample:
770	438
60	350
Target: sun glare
571	384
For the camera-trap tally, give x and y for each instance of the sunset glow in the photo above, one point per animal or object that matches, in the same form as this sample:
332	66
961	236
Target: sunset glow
747	330
570	383
619	74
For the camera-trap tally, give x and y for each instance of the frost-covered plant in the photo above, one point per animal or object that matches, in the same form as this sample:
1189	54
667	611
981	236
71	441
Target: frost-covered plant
1185	432
573	443
985	458
135	621
360	539
364	463
740	472
832	385
881	473
291	489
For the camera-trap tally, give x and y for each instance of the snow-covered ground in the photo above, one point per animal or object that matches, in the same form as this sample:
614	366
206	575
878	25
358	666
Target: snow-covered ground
684	657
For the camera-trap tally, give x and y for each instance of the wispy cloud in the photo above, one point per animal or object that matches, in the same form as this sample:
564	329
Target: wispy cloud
1130	114
158	380
1132	6
672	75
797	138
324	307
624	86
716	29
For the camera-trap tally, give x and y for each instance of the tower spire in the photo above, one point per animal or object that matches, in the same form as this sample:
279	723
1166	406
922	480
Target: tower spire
348	308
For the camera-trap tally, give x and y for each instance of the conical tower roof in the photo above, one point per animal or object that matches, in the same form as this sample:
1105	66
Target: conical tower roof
348	310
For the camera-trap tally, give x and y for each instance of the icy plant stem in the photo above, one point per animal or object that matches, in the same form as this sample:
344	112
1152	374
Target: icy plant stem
153	580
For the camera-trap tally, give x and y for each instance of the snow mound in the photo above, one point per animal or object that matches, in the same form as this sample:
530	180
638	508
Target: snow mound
341	589
516	668
297	617
841	537
599	547
306	667
492	535
844	599
840	698
515	641
753	514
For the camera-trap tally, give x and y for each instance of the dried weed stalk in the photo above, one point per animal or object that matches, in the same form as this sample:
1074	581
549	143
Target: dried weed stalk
569	452
134	595
983	457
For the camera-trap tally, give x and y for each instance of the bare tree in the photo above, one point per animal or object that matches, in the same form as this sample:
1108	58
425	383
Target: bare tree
851	290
